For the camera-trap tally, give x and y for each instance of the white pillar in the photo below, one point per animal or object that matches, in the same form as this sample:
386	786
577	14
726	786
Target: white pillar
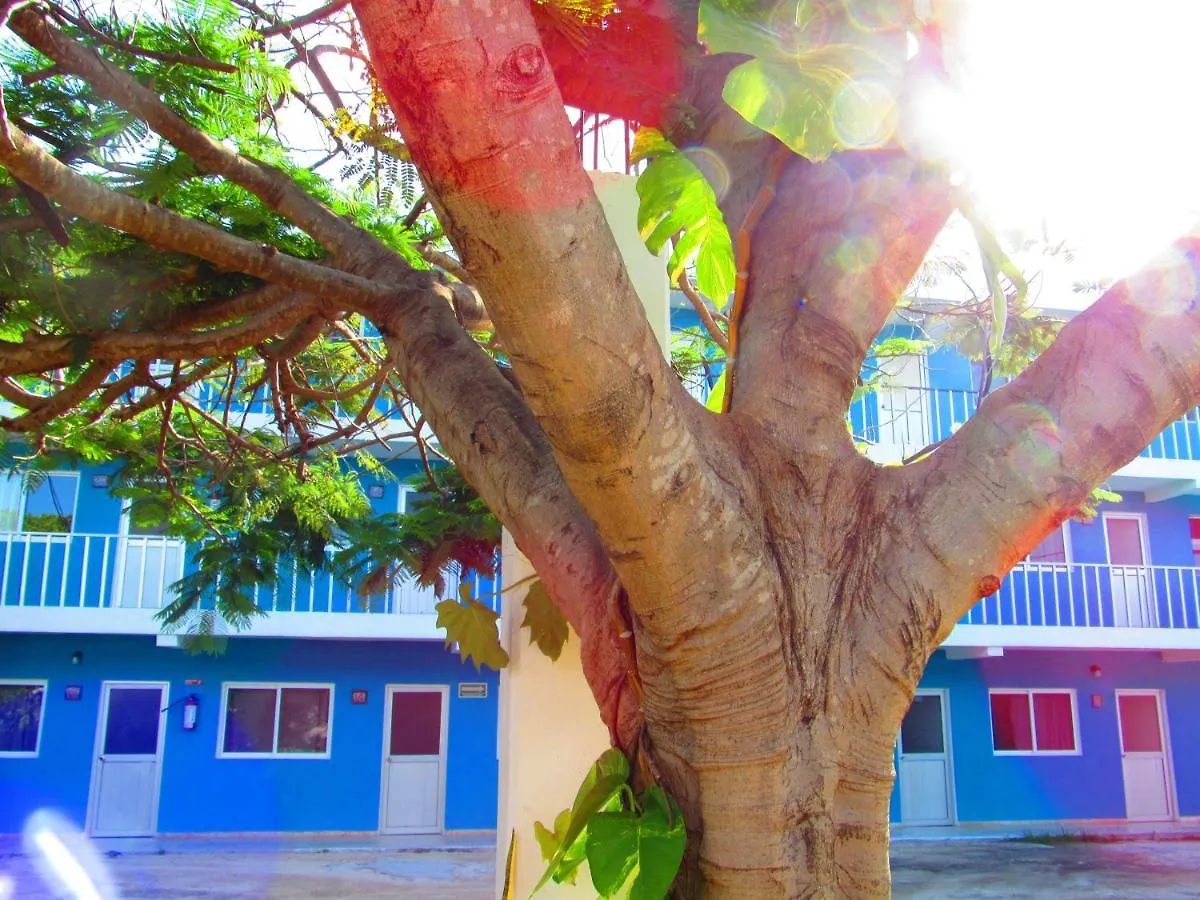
550	729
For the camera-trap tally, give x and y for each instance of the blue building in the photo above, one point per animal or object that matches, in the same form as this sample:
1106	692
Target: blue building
333	713
1072	693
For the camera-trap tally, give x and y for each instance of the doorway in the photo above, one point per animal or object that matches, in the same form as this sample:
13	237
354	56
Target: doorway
1129	575
148	563
413	784
1145	761
926	779
126	774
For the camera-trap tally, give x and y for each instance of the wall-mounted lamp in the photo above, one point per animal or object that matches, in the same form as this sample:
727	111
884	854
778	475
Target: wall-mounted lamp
1095	670
375	491
101	481
76	657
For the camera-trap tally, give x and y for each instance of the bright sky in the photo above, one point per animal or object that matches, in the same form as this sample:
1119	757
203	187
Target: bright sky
1085	112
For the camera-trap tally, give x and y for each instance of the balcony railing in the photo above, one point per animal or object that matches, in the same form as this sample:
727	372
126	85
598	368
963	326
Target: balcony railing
104	571
902	421
1090	595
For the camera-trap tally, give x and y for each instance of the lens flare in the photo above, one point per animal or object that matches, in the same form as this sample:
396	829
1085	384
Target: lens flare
864	114
65	859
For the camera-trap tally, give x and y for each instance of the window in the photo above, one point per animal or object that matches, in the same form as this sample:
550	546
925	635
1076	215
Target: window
42	502
267	720
21	707
1052	549
1034	721
1194	523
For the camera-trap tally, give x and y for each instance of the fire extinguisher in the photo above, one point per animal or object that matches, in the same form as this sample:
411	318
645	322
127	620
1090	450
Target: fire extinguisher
190	708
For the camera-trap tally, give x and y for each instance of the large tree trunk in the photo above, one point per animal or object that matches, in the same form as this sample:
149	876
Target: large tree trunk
775	686
784	593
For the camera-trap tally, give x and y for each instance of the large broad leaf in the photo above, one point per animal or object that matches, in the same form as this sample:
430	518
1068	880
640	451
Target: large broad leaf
675	197
473	627
547	625
818	100
730	26
637	856
600	787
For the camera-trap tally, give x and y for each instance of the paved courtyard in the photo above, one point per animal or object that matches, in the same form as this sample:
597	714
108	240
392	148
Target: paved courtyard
924	870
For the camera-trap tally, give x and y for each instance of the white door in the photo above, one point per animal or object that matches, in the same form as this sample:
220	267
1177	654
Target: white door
148	563
414	760
1145	766
129	747
926	789
1128	557
904	424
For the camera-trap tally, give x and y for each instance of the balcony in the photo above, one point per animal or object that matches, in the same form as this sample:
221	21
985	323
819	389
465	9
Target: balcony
898	422
1088	605
114	584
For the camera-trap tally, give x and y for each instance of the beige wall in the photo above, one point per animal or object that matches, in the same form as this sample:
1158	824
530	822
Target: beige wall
550	730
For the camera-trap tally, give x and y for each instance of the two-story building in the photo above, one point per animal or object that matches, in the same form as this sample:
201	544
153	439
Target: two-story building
333	713
1073	692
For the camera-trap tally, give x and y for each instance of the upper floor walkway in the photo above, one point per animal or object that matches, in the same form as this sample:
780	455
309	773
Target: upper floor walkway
897	422
116	584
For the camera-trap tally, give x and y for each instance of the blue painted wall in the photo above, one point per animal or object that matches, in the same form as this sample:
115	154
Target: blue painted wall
201	793
1087	786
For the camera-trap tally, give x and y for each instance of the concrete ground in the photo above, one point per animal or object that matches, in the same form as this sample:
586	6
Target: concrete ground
922	870
982	870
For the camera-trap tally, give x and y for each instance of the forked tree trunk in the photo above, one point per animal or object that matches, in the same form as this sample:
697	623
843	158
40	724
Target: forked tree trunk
784	593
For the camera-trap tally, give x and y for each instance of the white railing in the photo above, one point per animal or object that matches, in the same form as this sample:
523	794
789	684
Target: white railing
902	421
102	571
1091	595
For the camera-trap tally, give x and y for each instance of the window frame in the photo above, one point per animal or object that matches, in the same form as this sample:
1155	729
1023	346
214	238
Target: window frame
44	684
278	687
1029	694
23	505
1068	553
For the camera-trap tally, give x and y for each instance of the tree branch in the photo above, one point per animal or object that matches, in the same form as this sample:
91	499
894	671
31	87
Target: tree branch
511	191
353	247
1115	376
183	59
830	261
64	401
285	28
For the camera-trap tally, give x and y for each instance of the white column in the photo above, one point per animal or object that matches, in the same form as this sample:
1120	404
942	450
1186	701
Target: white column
550	729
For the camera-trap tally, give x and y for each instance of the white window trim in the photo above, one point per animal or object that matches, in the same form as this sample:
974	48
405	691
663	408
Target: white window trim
21	508
278	687
1068	552
1029	692
37	747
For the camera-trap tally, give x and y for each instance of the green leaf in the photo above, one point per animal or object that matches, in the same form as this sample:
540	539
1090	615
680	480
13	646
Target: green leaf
547	626
567	870
637	856
728	26
473	627
675	197
601	785
816	101
647	143
995	263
